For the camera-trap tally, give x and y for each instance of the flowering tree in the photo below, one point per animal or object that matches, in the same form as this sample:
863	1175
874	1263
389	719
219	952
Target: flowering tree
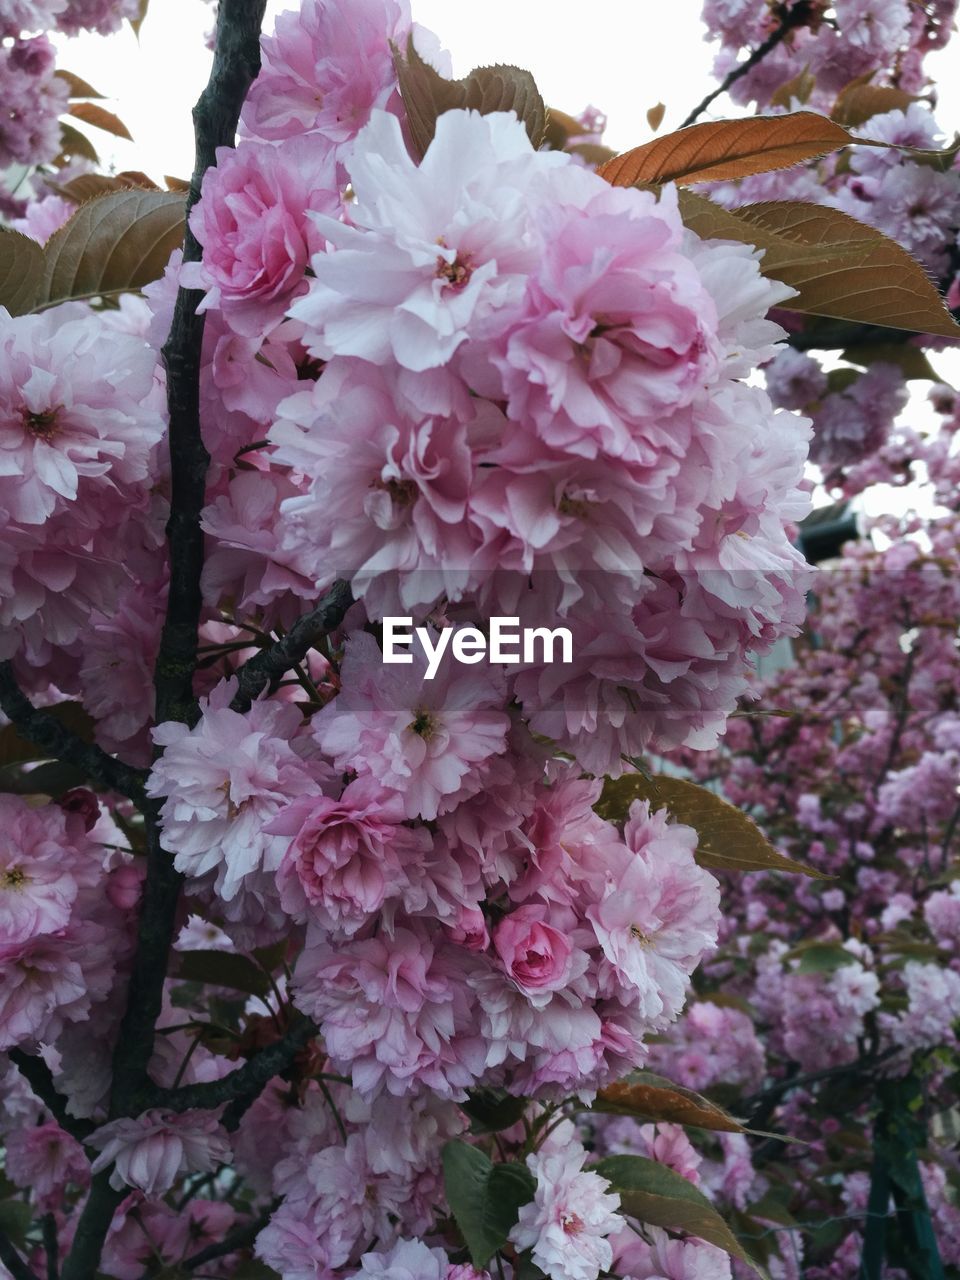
314	965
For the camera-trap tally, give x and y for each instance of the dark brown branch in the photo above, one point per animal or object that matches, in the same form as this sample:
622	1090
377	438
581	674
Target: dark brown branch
12	1260
59	743
797	16
263	668
37	1075
51	1246
244	1083
236	62
240	1238
235	65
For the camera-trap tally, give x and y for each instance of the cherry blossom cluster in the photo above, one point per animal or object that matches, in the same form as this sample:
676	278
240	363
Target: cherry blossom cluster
852	979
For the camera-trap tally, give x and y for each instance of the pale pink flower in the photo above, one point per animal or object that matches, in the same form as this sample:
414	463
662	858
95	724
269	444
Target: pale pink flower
538	957
80	414
406	1260
660	913
666	1258
254	221
292	1247
424	739
345	856
568	1222
432	250
616	330
44	859
44	1159
395	1011
151	1151
222	781
326	67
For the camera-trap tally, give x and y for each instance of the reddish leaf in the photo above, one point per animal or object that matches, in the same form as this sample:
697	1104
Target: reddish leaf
427	95
90	113
652	1098
724	149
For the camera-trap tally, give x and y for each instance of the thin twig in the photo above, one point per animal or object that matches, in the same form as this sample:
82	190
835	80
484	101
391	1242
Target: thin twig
246	1081
239	1238
263	668
797	16
60	743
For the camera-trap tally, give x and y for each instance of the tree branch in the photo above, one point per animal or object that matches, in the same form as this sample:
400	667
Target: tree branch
797	16
239	1238
244	1083
235	65
37	1075
236	62
46	732
272	663
12	1260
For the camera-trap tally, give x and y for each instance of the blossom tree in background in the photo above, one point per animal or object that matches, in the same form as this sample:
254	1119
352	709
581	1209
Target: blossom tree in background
316	966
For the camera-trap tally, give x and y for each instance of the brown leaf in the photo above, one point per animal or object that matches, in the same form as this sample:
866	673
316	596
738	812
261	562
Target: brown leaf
858	103
78	87
728	840
21	270
798	89
90	113
75	143
136	178
427	95
652	1098
841	268
560	128
115	243
723	149
137	22
655	116
176	184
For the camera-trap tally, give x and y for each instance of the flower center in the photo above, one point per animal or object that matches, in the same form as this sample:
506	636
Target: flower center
571	1223
42	425
14	878
403	493
456	273
643	938
232	808
423	724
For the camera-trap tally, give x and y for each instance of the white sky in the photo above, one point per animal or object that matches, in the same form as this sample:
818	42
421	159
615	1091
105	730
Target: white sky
622	56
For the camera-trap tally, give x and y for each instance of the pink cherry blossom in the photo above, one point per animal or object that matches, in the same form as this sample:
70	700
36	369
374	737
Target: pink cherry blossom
150	1151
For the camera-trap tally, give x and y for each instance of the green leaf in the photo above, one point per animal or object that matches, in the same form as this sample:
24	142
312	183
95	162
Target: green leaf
820	957
841	268
16	750
653	1193
427	95
21	270
492	1110
728	840
910	360
113	244
15	1219
222	969
485	1198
